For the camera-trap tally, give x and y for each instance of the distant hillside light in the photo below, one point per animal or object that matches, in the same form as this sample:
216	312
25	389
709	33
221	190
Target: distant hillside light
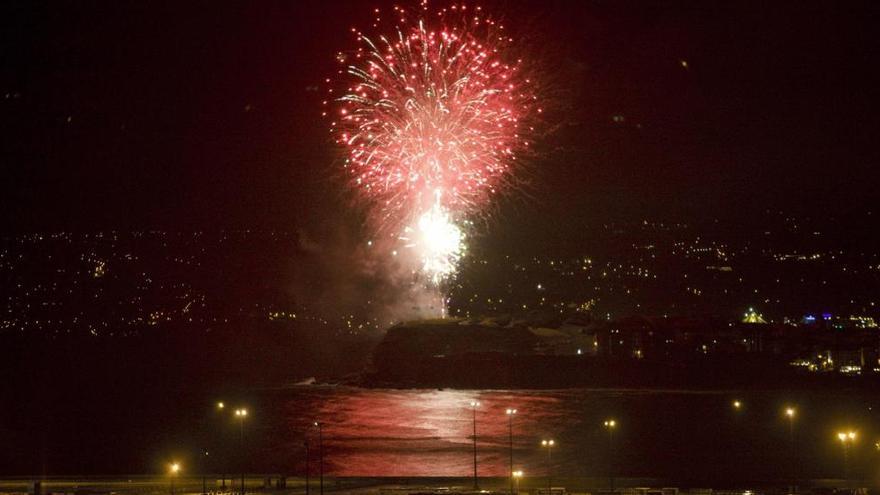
753	317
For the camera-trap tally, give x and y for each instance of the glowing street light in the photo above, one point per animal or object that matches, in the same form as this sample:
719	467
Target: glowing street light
510	413
205	455
516	475
790	413
610	425
220	407
737	405
549	445
847	438
173	470
241	414
474	406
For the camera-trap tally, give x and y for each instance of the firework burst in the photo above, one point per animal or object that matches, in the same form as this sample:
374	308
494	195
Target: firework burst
432	115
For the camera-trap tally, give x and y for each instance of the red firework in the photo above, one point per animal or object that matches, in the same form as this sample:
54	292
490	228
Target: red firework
432	114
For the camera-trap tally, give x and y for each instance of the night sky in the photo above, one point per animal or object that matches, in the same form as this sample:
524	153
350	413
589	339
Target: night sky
188	115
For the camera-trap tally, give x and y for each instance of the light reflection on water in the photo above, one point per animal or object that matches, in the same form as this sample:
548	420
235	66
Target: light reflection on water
670	433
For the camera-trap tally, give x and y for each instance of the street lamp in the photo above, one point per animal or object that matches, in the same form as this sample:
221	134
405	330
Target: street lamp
205	472
790	413
320	428
739	444
241	414
510	413
474	406
173	469
307	465
223	463
516	476
846	439
610	425
549	444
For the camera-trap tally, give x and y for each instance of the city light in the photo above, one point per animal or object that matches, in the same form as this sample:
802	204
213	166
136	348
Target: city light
737	404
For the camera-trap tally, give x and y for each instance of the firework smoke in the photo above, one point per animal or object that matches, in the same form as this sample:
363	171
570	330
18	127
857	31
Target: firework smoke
432	115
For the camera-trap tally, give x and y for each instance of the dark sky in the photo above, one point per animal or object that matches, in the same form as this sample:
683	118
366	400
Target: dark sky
185	115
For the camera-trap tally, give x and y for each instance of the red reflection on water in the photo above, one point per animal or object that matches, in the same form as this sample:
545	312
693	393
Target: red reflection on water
424	433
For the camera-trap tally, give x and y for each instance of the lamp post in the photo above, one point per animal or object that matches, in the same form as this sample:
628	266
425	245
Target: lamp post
549	445
320	428
790	413
474	406
205	472
739	446
610	425
307	466
220	407
510	413
517	475
173	469
846	439
241	414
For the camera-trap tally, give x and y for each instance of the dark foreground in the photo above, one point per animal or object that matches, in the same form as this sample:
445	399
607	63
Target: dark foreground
267	484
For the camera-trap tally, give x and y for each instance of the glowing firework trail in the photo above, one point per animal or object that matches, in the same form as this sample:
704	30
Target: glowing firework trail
432	118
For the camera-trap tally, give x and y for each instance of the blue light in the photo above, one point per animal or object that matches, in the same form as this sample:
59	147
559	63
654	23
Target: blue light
826	316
